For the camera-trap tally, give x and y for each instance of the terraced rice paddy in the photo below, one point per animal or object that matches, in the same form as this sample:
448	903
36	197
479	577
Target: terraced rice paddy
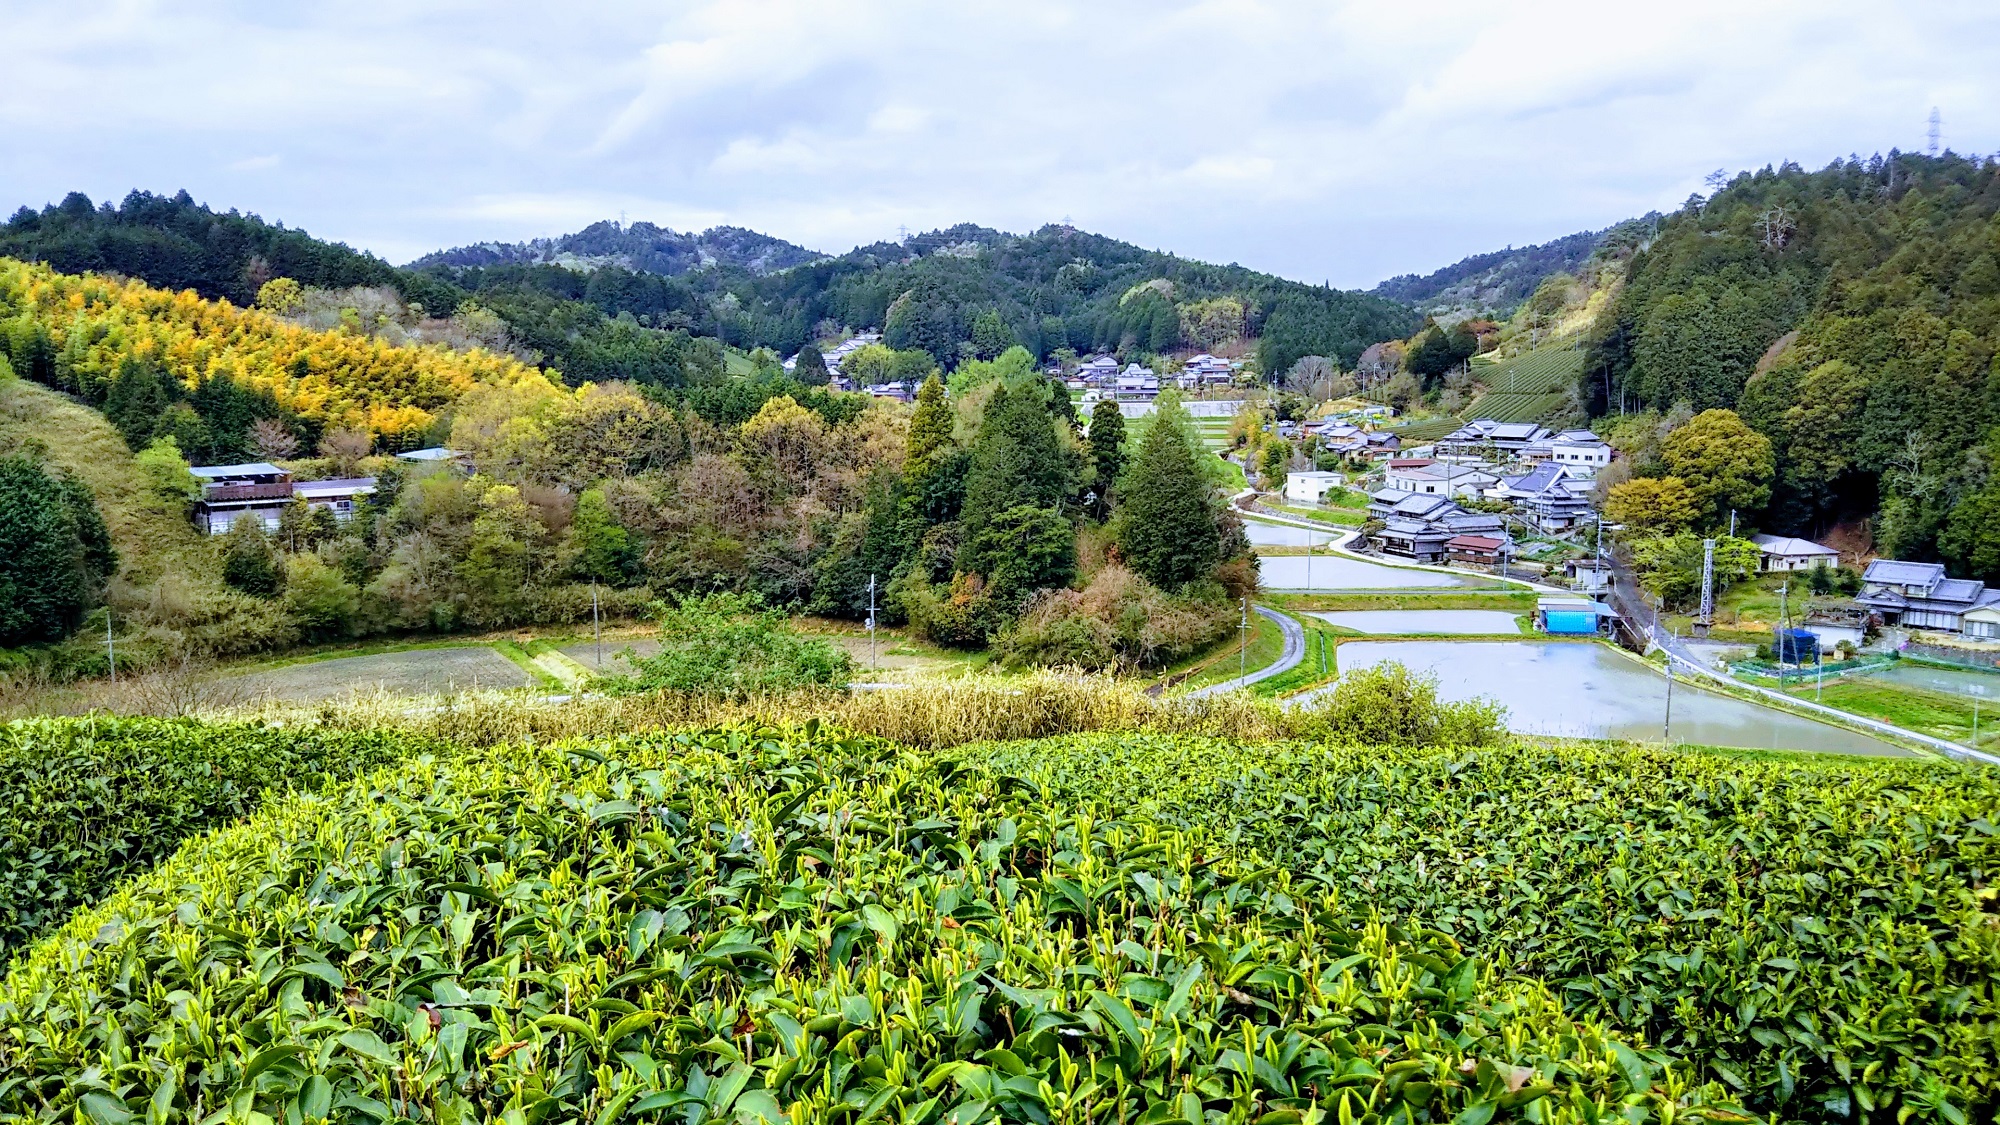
424	671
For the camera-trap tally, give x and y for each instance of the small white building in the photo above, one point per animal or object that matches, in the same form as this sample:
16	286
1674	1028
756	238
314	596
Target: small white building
1783	552
1312	487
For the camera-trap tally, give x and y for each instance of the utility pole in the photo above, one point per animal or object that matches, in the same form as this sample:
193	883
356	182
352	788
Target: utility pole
1975	723
871	624
1732	523
110	646
1783	590
597	626
1667	723
1243	653
1935	130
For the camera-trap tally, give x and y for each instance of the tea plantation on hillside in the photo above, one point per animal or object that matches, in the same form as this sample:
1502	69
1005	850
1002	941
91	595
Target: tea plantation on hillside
800	925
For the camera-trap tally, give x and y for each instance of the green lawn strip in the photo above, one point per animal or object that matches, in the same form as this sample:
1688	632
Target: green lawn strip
554	662
1308	674
1227	659
1340	517
525	661
1936	713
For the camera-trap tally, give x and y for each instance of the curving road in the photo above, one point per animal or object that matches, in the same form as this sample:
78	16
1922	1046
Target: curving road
1293	655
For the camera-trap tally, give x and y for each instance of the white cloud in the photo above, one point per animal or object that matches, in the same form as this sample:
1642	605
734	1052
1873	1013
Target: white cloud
1344	141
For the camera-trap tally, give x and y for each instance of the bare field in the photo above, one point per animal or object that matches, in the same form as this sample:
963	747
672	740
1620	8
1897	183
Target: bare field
424	671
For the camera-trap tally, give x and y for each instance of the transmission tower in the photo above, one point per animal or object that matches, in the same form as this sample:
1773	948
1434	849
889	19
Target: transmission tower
1936	121
1707	617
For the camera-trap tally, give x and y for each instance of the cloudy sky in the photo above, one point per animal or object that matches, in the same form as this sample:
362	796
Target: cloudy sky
1324	141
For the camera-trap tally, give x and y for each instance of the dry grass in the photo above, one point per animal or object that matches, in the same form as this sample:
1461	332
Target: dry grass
931	714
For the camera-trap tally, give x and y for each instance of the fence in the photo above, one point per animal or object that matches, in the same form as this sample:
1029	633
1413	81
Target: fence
1948	654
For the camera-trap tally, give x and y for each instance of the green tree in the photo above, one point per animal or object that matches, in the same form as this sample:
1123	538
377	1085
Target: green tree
990	335
1107	450
168	477
1726	464
730	645
136	400
602	548
1272	461
1021	550
1653	505
323	603
499	554
45	582
810	366
249	561
1016	459
1167	510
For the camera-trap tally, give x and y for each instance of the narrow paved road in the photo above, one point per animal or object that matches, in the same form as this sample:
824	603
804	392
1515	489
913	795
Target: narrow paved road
1293	654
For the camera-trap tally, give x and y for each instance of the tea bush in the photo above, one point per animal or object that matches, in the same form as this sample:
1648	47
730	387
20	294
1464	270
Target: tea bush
87	803
754	925
1818	933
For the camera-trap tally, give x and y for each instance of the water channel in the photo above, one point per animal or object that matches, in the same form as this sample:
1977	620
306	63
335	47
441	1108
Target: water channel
1443	622
1583	690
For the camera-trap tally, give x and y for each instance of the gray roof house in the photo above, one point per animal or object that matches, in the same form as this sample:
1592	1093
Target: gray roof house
1783	552
1919	596
1547	496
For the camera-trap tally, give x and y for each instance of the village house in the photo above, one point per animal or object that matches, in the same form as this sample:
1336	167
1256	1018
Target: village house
1510	439
1421	527
1549	497
1312	487
1919	596
263	491
1782	552
1478	550
1440	478
899	391
1579	449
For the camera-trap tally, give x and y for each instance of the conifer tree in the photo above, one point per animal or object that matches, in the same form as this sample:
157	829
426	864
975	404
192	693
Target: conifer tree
933	471
1166	520
1016	459
1107	449
135	401
44	586
249	561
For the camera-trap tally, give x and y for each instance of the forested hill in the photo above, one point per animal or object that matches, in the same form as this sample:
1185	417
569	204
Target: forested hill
1055	288
1499	281
1852	315
641	247
175	243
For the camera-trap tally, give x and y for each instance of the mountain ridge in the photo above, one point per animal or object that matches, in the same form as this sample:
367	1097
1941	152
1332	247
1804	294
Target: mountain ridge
642	247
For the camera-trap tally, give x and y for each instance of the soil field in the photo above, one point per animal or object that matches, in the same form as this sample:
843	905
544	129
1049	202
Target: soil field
424	671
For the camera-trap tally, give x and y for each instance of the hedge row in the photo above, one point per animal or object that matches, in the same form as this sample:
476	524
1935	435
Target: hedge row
87	803
754	926
1819	934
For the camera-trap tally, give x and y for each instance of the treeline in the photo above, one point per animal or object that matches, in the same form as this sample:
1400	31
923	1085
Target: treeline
1852	317
1055	289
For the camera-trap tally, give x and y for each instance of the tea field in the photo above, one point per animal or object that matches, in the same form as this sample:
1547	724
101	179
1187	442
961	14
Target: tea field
794	924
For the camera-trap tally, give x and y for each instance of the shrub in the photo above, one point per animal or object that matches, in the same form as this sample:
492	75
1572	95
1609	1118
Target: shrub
1118	621
1389	705
768	926
729	645
87	803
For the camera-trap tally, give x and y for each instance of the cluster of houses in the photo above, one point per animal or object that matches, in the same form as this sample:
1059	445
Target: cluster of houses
1545	477
838	353
1100	377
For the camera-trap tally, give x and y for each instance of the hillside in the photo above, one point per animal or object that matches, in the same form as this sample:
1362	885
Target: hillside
83	334
1852	316
1055	288
176	243
1498	282
641	247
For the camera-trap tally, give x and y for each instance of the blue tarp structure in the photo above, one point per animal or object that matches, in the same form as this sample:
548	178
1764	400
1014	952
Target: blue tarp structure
1571	622
1797	646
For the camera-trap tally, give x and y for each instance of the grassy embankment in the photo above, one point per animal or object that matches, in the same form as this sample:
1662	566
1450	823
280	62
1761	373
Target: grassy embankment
1936	713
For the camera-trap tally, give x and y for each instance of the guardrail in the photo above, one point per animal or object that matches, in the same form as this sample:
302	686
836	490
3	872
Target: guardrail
1943	746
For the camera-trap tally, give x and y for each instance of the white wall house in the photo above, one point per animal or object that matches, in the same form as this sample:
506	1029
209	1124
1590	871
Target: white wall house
1440	479
1312	487
1783	552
